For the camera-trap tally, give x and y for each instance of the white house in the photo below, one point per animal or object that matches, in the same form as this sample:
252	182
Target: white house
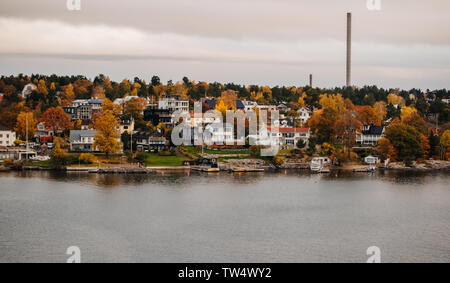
173	103
370	135
7	137
28	89
304	114
82	140
289	136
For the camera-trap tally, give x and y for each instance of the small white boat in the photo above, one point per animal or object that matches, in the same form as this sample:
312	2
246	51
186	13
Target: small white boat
320	165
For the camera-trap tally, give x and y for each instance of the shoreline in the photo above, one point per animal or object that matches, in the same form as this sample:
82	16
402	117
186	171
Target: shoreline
146	170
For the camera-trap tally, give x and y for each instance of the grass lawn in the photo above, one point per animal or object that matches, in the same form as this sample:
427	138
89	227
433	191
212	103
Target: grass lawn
38	163
154	159
194	150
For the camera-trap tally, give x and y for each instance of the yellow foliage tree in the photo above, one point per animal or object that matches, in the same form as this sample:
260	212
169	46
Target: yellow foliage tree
107	137
42	87
445	145
334	102
406	112
21	125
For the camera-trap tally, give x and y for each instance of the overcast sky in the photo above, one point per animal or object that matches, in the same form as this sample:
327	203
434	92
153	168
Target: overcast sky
268	42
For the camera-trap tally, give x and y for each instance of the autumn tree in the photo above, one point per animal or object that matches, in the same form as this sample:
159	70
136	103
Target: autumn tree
68	92
445	145
385	149
133	108
21	125
56	119
380	108
42	88
346	127
368	116
228	98
107	137
108	105
406	141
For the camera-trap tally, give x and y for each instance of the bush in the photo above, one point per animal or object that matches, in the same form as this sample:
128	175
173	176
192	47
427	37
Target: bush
301	144
165	153
277	160
87	158
8	163
140	157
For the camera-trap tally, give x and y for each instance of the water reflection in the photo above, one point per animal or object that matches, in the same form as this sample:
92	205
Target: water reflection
180	179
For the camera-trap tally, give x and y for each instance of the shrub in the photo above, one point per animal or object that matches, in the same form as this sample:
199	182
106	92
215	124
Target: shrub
8	163
87	158
141	156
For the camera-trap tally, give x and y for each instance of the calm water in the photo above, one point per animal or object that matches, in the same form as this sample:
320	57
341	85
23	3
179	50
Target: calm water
270	217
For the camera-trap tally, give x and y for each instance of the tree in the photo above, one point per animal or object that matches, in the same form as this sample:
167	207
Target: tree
133	109
385	149
68	92
107	105
21	125
380	110
56	119
42	87
346	128
406	141
155	81
445	145
301	144
58	157
368	116
425	146
228	98
106	139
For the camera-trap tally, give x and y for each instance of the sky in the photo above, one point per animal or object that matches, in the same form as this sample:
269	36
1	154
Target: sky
404	45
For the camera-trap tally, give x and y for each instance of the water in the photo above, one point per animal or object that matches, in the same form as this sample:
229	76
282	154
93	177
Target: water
181	217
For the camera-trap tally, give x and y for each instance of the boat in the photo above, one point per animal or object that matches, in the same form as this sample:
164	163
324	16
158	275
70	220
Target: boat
320	165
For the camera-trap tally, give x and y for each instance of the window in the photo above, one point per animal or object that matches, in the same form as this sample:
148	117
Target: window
1	135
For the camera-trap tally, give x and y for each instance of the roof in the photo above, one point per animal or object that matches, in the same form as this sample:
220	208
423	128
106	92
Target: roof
95	101
373	130
3	128
240	104
75	135
290	130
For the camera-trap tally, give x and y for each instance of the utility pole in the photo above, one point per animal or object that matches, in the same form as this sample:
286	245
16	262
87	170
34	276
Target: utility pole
26	130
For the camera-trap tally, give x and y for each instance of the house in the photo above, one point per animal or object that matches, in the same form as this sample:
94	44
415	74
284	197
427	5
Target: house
126	125
284	107
304	114
7	137
289	136
218	134
28	89
209	103
82	140
283	123
156	116
173	102
43	134
245	105
446	100
147	141
370	135
16	154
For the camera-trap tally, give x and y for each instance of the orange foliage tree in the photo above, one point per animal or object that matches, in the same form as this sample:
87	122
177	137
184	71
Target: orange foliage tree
56	119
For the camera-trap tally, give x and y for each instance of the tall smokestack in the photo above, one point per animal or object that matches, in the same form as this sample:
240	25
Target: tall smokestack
349	49
310	80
